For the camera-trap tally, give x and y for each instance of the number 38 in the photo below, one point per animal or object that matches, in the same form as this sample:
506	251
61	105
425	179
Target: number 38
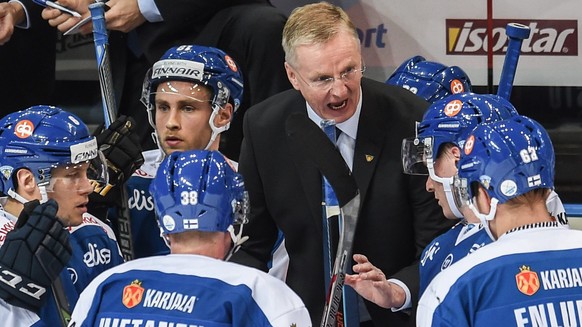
189	197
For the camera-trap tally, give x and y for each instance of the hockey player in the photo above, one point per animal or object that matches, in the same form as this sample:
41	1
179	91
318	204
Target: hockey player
48	153
435	151
430	80
198	198
191	95
531	274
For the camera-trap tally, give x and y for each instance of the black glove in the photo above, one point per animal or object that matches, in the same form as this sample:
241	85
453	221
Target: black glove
122	149
33	255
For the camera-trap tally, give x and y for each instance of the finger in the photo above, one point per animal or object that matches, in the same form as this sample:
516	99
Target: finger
360	258
50	13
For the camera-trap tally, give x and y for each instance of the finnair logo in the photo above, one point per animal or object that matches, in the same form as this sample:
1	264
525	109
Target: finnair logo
178	68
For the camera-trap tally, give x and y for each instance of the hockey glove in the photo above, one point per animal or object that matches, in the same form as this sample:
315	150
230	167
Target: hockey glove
33	255
122	149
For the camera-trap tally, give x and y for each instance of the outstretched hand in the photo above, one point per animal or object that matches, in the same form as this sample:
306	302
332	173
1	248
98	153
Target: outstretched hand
370	282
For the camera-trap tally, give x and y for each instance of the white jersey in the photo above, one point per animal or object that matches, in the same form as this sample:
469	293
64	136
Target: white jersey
529	277
188	290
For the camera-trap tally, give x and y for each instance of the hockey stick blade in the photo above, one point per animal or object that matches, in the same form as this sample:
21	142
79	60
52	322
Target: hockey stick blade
101	40
516	33
305	134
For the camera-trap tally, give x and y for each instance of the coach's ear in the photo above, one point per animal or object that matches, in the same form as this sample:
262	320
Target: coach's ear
292	75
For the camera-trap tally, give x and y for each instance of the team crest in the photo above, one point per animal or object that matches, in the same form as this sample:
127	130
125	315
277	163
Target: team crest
6	172
132	294
527	281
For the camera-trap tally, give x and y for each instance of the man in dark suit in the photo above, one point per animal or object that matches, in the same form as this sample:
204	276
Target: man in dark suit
397	216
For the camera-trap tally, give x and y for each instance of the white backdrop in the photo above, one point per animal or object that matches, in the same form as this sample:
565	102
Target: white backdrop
394	30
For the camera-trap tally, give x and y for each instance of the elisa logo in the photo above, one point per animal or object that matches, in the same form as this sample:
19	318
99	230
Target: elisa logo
547	37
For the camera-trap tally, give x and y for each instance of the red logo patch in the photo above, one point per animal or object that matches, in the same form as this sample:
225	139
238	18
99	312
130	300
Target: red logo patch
230	63
23	129
527	281
469	144
452	108
132	294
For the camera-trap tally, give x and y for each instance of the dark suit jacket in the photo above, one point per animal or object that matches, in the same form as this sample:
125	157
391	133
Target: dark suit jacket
398	216
28	64
183	20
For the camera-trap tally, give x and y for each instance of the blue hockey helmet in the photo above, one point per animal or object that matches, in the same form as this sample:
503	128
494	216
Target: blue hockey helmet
41	138
198	190
198	64
508	158
450	120
430	80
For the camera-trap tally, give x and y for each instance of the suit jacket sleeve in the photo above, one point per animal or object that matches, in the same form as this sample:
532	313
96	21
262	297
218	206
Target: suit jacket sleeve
261	229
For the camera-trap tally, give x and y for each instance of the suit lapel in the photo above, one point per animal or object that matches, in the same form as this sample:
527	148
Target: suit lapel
310	178
369	143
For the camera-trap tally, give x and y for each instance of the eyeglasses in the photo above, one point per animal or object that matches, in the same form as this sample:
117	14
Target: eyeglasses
325	83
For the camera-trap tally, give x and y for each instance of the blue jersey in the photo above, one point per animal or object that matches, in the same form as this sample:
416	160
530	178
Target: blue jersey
188	290
145	231
529	277
463	239
450	247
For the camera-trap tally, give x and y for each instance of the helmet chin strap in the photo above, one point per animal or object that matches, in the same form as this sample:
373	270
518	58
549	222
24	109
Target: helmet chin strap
21	199
237	240
486	218
447	187
215	129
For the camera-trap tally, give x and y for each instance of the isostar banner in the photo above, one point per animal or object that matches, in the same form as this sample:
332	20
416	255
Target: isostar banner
454	32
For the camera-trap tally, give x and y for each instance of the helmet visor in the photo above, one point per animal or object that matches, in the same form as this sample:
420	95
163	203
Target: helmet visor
83	175
415	153
461	192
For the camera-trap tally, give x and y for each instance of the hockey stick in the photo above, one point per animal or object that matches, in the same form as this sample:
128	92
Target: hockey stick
516	33
101	41
101	38
303	133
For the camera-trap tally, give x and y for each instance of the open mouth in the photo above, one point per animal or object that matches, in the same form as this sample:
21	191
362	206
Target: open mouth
338	106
